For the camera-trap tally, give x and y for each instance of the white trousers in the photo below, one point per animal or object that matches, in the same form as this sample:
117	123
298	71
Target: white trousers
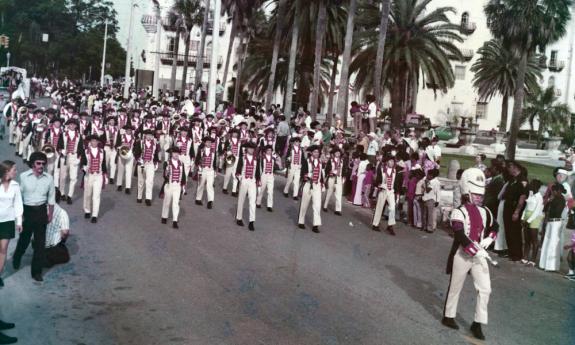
267	184
70	169
207	182
500	240
12	132
247	187
111	160
462	264
172	192
385	196
550	259
311	191
293	176
146	179
335	188
23	146
187	162
230	174
125	170
92	192
417	212
52	167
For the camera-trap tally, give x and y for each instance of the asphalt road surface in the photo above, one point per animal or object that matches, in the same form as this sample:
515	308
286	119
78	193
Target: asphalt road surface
135	281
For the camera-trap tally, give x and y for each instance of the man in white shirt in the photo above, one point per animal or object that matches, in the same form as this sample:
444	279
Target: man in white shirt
431	197
57	233
372	112
433	151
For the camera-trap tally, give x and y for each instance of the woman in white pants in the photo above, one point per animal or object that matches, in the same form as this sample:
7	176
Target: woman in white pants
550	259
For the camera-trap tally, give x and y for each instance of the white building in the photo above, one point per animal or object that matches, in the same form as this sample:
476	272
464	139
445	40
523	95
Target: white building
167	51
462	99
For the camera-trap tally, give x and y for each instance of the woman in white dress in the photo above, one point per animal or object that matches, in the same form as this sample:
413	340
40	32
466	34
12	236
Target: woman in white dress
358	196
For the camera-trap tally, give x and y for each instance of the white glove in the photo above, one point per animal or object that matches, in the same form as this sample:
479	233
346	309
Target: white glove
481	254
486	242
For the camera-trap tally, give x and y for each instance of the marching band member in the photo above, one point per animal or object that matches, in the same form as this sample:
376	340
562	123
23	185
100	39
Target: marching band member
11	114
387	184
135	120
84	124
248	176
474	231
295	157
208	123
232	148
146	154
174	183
110	138
71	147
123	118
266	181
312	174
96	127
165	140
148	124
125	145
184	143
95	175
206	164
244	132
334	170
267	140
52	138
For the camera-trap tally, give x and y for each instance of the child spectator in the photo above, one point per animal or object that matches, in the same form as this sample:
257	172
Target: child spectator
367	183
532	219
430	200
479	162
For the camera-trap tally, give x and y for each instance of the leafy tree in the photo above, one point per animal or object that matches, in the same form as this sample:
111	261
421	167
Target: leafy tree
496	72
541	106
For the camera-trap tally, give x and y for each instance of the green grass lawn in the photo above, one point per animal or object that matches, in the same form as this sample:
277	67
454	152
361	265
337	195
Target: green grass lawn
538	171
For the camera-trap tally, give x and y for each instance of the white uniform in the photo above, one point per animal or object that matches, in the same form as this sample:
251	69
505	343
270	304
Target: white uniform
70	154
126	164
147	161
94	165
312	191
248	186
386	195
174	174
267	180
207	172
469	223
294	171
334	183
234	147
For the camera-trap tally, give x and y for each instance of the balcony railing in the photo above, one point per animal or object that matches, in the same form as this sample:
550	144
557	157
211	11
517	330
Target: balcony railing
556	66
467	54
467	28
167	58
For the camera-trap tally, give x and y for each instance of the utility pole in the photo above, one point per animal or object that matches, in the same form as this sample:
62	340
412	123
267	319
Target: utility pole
104	55
211	106
127	80
156	89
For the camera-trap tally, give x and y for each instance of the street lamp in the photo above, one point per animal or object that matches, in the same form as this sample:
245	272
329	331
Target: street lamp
8	59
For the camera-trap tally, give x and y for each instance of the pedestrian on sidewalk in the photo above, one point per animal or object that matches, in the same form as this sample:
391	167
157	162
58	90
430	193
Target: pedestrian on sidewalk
38	197
430	198
532	219
11	209
550	259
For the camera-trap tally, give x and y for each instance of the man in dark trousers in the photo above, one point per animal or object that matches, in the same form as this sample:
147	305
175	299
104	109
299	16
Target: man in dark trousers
38	196
5	339
515	196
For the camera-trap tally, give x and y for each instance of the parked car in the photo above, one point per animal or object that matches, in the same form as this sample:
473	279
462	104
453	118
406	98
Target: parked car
444	133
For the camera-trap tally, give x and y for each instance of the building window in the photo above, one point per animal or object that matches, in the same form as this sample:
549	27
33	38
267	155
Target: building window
464	19
459	72
553	59
481	110
171	44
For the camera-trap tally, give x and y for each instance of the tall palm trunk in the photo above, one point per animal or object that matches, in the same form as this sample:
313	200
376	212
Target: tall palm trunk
237	87
517	106
319	34
344	79
385	4
292	60
277	39
233	34
504	112
175	61
188	36
200	59
332	88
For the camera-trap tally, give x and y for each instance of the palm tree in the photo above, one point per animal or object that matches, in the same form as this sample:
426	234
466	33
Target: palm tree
277	40
418	44
200	57
292	60
541	105
496	72
385	6
175	22
523	26
320	29
188	14
241	12
344	78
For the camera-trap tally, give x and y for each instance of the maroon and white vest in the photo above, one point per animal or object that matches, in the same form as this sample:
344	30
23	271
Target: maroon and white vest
268	164
128	141
235	146
249	167
182	144
175	172
55	136
207	159
71	142
296	156
148	150
315	170
95	161
110	135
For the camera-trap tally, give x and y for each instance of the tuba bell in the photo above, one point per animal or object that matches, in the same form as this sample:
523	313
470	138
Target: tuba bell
124	152
230	159
48	150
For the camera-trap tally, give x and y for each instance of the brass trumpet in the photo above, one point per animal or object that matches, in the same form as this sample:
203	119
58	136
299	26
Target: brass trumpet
124	152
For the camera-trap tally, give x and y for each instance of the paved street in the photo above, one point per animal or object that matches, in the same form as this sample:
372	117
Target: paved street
135	281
